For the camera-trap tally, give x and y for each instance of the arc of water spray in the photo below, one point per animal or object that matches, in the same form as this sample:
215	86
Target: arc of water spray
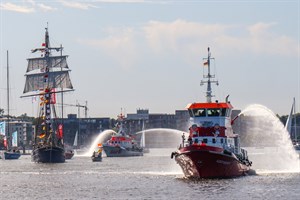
101	138
269	139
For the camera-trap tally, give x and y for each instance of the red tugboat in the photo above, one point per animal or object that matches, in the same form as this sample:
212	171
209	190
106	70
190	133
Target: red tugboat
212	150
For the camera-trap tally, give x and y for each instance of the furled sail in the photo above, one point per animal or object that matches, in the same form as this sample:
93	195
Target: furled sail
56	79
41	63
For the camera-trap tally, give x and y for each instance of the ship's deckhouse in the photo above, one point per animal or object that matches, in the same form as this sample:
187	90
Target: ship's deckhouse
209	114
211	124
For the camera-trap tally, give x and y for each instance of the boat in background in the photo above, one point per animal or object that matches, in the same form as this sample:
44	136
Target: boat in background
122	144
212	150
288	126
69	154
47	76
11	140
12	152
69	151
75	143
97	154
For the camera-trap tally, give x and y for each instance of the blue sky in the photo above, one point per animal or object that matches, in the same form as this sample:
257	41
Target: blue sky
148	54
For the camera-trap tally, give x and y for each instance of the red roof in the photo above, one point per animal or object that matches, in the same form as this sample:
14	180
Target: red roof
208	105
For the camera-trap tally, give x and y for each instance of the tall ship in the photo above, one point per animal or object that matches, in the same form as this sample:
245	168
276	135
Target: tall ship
212	149
46	77
121	144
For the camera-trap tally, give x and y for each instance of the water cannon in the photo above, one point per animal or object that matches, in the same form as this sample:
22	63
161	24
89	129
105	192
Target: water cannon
232	121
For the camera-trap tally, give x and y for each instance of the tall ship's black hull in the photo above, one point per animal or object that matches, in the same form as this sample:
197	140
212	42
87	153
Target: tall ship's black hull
48	154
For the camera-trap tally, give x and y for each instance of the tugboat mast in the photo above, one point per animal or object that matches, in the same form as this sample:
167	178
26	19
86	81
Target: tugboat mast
209	76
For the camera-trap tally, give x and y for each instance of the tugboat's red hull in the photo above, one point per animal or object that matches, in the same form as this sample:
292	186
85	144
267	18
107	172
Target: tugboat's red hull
203	163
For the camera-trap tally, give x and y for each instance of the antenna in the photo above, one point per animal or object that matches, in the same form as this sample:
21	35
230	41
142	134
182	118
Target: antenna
209	77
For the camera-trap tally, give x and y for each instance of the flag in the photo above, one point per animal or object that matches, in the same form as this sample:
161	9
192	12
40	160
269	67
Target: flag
205	63
33	99
60	131
14	141
2	128
5	142
53	96
43	44
42	135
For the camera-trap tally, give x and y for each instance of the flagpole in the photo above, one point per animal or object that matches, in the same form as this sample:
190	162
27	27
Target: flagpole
7	79
295	127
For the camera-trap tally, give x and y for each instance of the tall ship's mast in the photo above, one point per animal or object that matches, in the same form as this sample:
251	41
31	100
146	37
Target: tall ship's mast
46	76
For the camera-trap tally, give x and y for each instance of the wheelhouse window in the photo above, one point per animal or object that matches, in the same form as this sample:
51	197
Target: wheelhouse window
191	112
214	140
228	113
213	112
223	112
199	112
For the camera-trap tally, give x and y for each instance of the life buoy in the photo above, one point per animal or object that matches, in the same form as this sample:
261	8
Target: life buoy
217	127
194	127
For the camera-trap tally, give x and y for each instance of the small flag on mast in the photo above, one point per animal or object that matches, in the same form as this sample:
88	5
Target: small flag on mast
205	63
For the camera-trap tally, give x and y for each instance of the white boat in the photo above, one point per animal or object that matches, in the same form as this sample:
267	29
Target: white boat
75	143
288	125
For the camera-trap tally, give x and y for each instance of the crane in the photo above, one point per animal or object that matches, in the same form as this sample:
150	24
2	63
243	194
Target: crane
79	106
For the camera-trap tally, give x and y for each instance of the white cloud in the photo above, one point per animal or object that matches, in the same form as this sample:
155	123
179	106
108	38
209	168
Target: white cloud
45	8
16	8
32	2
77	5
121	1
32	7
187	39
119	44
182	36
262	40
179	33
